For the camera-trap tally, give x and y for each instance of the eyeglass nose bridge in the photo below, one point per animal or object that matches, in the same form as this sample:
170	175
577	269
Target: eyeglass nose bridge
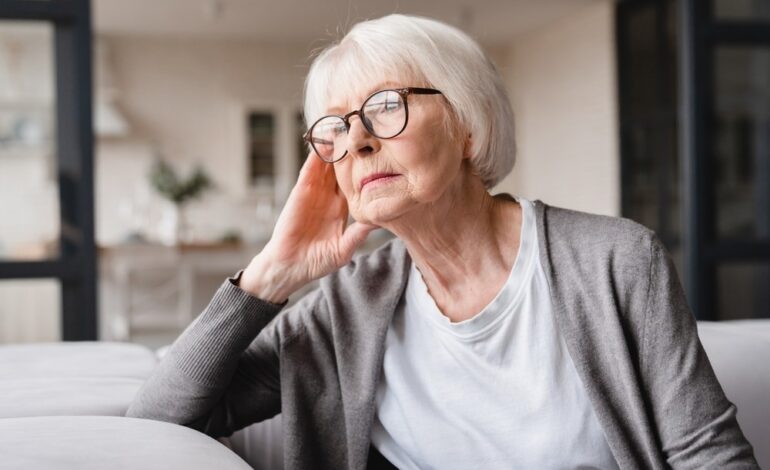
364	121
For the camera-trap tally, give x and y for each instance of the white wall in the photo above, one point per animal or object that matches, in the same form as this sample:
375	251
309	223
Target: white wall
561	79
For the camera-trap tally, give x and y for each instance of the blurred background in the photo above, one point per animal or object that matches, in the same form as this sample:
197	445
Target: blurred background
146	147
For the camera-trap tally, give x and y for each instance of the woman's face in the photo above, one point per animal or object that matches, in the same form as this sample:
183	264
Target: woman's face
383	179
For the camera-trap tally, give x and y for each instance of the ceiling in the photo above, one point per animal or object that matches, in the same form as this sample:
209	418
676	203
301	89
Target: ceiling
296	21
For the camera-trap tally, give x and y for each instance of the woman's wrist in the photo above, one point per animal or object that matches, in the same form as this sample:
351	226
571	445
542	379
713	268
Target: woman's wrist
264	280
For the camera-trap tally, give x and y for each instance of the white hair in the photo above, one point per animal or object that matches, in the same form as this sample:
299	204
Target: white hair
403	48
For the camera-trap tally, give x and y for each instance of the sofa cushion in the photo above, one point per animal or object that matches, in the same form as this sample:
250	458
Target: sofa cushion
37	396
100	442
76	359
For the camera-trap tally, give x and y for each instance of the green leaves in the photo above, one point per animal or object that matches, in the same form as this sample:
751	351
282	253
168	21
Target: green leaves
165	180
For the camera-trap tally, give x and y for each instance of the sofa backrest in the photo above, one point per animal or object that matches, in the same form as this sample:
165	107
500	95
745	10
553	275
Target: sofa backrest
739	351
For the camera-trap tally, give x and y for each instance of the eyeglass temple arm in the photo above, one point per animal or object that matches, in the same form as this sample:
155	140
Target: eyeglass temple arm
422	91
307	138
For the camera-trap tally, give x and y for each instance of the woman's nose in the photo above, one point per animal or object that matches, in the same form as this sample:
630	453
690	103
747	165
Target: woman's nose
360	141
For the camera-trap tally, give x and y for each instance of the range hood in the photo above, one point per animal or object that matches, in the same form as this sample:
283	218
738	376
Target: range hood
109	121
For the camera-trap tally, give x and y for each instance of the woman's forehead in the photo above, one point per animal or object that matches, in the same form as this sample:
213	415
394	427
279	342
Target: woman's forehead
349	74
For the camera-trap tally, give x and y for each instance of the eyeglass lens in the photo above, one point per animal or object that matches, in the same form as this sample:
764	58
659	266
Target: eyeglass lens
383	115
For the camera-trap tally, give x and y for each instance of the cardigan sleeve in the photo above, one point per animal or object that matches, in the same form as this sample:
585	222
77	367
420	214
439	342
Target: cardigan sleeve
696	422
217	377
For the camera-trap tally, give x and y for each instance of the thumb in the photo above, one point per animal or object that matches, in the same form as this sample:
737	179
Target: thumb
353	237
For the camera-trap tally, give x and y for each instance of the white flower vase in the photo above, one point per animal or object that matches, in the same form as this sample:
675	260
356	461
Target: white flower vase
173	225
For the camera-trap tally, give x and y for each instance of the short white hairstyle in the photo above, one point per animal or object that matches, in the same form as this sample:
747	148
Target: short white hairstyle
403	48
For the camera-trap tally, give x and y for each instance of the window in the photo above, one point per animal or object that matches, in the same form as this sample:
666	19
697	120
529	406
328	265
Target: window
261	148
29	190
275	150
47	141
649	125
742	142
695	143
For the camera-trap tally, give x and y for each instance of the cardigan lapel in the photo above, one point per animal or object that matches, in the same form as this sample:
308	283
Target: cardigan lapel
373	294
589	329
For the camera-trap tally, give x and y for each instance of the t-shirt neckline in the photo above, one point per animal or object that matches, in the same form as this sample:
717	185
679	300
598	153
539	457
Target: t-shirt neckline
503	304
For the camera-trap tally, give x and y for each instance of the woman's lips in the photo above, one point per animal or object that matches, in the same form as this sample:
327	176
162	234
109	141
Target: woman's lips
377	177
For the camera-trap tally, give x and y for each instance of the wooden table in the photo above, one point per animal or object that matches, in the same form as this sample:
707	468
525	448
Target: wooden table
180	266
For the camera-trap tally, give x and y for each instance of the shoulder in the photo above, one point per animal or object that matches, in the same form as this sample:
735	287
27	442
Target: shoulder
598	253
586	236
602	264
591	228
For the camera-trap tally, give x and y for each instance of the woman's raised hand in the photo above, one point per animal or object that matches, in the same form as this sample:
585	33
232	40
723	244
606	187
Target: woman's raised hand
311	237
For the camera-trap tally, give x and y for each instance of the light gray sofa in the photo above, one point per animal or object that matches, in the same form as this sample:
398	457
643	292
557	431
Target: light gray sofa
61	406
105	442
739	351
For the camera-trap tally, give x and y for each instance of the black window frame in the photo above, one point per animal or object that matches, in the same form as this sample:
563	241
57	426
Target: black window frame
700	34
76	265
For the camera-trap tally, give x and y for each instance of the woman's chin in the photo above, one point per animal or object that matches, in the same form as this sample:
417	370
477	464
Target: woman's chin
382	210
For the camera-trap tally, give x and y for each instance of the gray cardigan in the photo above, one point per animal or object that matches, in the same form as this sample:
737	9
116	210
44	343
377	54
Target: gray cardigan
617	303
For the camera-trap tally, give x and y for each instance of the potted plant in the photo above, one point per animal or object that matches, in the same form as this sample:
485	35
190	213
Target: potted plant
178	191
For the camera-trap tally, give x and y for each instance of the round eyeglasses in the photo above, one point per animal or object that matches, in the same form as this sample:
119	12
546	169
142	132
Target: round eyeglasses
384	114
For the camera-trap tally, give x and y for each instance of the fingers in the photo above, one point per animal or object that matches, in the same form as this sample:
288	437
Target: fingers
311	163
317	173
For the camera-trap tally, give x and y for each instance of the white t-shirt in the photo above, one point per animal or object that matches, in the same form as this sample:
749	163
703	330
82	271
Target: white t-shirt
498	390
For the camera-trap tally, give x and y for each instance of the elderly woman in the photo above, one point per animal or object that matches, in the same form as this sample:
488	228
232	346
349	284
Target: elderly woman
493	332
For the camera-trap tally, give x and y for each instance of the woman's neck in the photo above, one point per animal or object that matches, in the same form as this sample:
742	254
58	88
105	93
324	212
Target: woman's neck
464	245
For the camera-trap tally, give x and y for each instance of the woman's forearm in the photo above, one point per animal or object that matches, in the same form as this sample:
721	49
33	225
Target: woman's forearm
196	372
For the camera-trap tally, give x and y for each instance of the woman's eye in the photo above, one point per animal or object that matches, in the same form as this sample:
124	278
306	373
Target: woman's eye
385	107
392	105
